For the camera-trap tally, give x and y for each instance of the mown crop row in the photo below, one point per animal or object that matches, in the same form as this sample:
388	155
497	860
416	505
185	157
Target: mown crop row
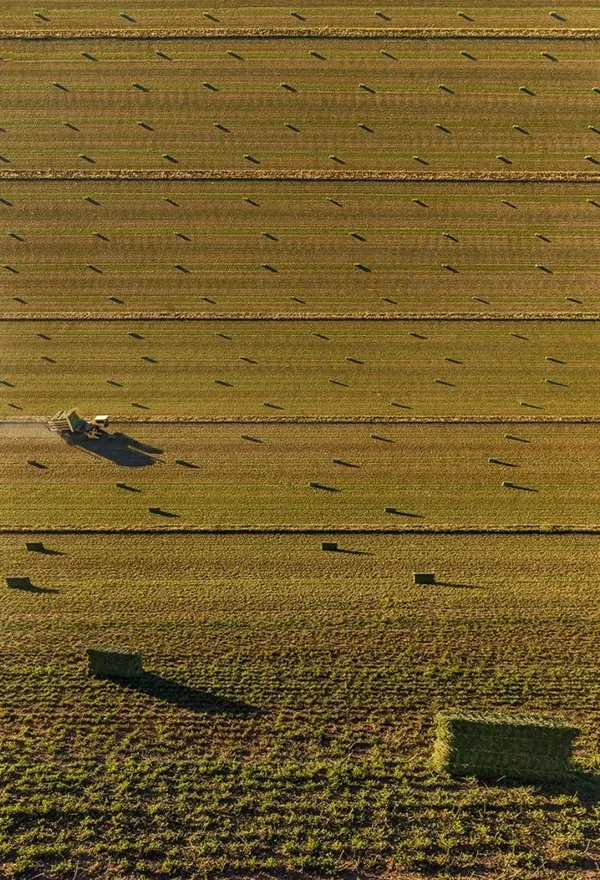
316	475
298	247
442	106
177	15
236	369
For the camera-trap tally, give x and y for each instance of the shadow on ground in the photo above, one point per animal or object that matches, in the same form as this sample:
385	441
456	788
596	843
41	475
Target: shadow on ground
119	448
188	697
455	584
38	547
24	585
582	784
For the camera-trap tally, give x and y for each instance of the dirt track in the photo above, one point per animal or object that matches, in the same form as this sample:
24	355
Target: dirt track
25	429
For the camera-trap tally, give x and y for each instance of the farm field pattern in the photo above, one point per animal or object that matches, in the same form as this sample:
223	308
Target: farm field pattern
178	14
219	369
497	105
287	683
264	247
239	475
268	353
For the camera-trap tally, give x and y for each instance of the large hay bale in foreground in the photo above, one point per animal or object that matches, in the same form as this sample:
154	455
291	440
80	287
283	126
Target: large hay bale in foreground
114	662
495	745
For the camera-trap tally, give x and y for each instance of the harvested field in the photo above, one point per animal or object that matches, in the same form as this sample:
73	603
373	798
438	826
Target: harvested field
280	107
151	14
302	475
286	686
332	273
97	247
231	369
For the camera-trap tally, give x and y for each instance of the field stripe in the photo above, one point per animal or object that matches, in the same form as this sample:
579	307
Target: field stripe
332	31
290	317
331	176
328	420
559	529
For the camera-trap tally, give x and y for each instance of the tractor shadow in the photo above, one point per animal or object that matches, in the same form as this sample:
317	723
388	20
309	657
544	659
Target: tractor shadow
120	449
187	697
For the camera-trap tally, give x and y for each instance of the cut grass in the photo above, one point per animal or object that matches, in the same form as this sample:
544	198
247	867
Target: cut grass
284	724
333	702
151	14
496	250
358	369
403	113
439	472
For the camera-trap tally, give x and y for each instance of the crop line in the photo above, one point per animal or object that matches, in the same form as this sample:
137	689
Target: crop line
331	175
329	420
442	529
331	31
306	316
361	420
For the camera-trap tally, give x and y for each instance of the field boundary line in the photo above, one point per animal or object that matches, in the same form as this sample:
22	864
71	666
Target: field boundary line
330	31
558	529
309	316
362	420
332	176
327	420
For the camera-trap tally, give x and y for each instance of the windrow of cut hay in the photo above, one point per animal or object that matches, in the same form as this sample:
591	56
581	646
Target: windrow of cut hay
324	529
307	174
361	420
328	420
331	420
336	32
307	316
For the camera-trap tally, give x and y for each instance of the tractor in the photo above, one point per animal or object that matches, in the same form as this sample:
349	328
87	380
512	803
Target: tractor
67	422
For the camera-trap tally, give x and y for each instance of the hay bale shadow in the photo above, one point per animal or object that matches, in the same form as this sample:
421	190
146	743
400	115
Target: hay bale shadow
24	585
397	512
509	485
458	585
38	547
583	784
192	698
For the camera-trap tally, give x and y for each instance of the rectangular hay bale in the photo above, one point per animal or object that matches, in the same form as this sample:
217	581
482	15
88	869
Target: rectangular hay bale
494	745
114	662
329	545
17	583
420	577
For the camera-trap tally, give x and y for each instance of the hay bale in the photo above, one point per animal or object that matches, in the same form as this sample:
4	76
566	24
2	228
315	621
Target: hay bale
495	745
329	545
114	662
18	583
420	577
